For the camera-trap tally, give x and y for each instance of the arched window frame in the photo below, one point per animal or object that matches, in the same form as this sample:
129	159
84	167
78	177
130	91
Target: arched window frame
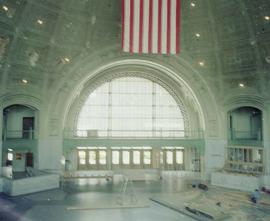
100	80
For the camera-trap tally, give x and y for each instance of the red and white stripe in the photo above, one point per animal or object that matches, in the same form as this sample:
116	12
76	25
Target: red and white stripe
151	26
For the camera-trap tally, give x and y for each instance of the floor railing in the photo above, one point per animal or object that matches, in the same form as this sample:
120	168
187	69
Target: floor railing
19	134
179	134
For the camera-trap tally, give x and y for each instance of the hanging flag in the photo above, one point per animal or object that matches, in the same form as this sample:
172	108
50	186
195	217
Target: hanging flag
151	26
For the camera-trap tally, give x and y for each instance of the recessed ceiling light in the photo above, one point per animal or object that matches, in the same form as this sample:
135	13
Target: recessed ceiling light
198	35
267	18
192	4
67	60
64	60
5	8
241	85
40	22
201	63
24	81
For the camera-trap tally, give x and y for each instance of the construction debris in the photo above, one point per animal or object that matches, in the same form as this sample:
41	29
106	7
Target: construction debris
203	187
199	212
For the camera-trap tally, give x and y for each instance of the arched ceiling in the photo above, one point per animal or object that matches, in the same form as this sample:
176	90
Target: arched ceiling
40	37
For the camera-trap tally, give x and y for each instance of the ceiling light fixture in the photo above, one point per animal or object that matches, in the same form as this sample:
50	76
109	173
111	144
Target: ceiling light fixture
40	22
201	63
5	8
192	4
198	35
241	85
67	60
267	18
24	81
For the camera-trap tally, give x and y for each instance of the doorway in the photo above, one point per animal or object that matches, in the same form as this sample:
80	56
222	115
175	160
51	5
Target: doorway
29	160
28	127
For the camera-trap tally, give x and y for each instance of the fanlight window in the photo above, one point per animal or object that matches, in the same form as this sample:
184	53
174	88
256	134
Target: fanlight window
130	107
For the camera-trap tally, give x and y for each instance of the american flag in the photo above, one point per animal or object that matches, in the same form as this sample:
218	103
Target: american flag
151	26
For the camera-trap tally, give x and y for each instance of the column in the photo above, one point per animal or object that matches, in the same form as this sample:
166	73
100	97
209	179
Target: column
109	158
1	141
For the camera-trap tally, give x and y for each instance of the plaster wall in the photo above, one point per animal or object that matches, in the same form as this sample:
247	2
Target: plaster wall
1	151
214	156
267	158
244	120
1	142
19	161
50	153
235	181
1	184
71	160
241	120
30	184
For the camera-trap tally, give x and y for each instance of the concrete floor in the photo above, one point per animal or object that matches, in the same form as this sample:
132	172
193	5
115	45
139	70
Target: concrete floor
63	204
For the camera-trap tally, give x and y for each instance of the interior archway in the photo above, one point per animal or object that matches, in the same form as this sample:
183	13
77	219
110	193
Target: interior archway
167	78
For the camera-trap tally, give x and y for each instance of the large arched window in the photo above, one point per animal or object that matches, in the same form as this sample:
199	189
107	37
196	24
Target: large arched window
130	107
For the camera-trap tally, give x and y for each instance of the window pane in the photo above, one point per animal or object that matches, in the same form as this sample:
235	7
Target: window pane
146	157
82	157
126	157
92	157
82	154
161	157
169	157
256	156
102	157
179	157
115	157
136	157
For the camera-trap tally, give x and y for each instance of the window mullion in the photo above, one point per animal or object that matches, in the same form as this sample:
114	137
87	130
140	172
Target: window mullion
154	109
109	129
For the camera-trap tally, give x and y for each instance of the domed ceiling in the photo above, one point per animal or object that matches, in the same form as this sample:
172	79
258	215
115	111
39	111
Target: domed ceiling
227	41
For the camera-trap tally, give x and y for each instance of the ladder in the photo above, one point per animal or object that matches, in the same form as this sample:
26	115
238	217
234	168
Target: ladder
127	193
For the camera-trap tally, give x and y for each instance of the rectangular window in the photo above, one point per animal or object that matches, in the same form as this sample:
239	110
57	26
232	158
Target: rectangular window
102	157
147	157
169	157
179	157
136	157
258	157
126	157
82	157
245	160
115	157
161	157
92	157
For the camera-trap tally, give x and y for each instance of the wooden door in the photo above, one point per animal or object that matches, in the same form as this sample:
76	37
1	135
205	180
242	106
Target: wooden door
28	127
29	160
